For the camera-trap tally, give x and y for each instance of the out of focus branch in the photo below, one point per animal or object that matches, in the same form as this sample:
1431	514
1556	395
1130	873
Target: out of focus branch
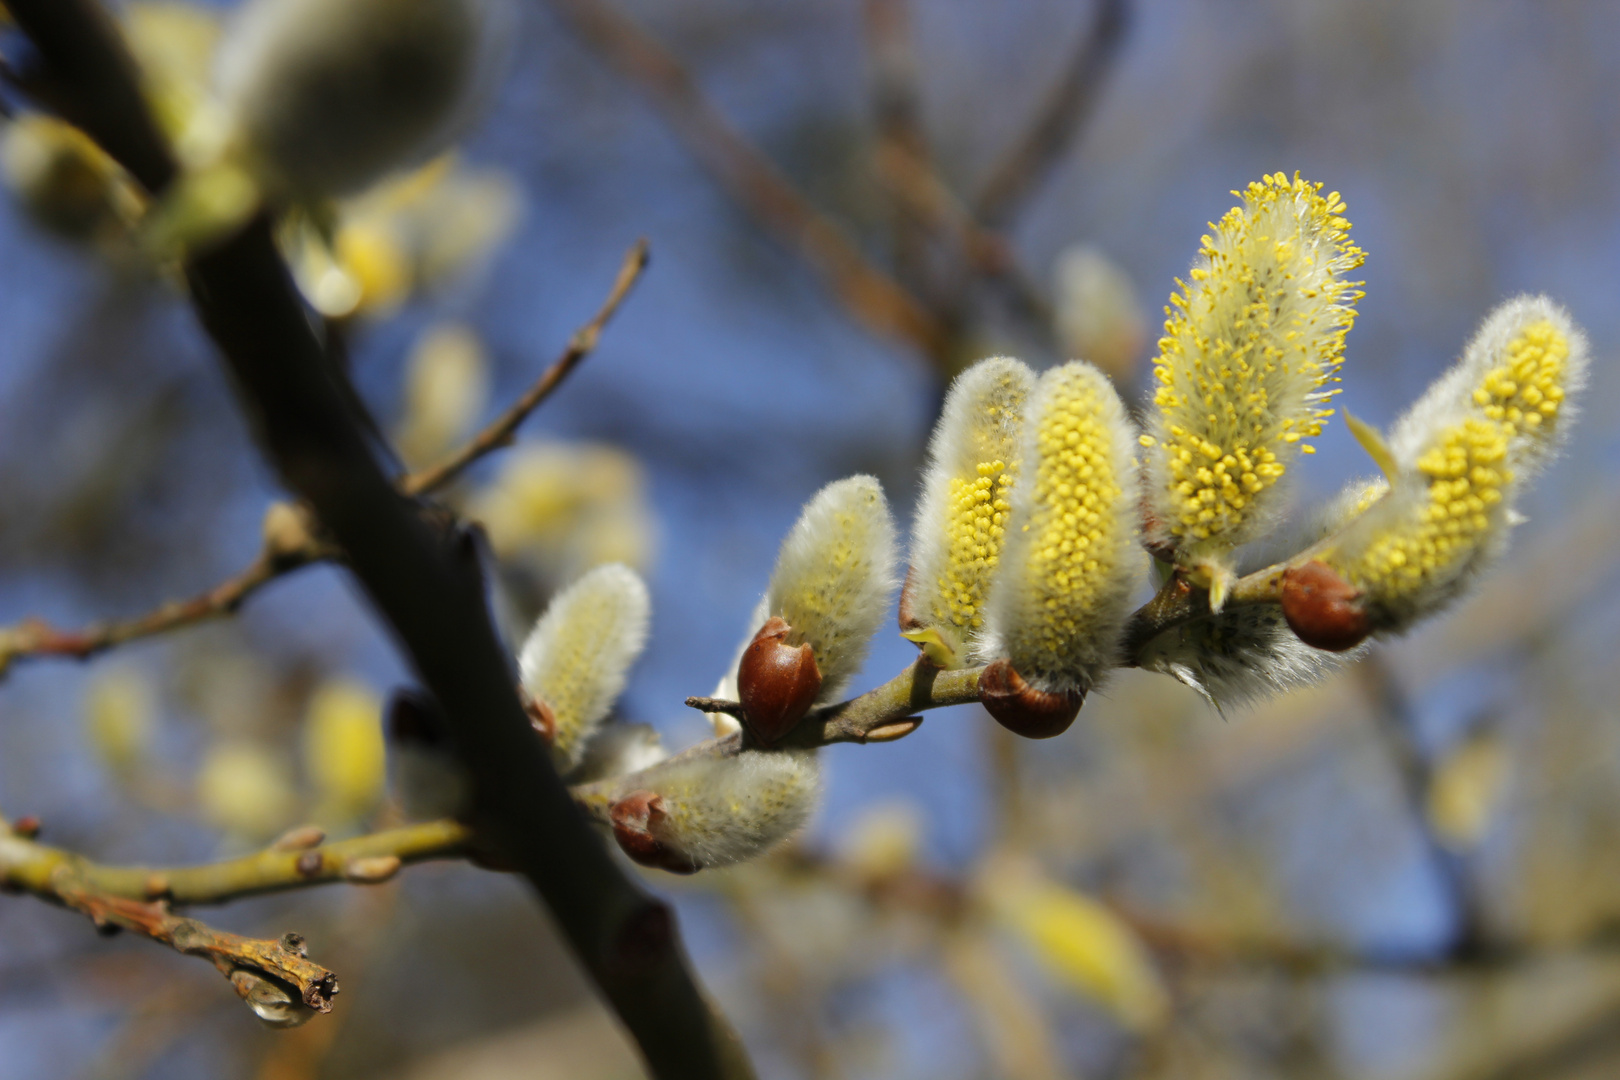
32	866
500	431
1396	725
70	881
752	180
1060	119
425	584
281	555
37	638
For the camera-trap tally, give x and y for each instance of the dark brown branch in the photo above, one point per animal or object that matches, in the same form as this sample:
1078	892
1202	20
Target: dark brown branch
425	584
876	299
499	433
1058	123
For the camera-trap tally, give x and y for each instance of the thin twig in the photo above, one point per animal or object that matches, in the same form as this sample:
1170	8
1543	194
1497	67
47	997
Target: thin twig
35	638
875	298
1060	119
32	866
499	433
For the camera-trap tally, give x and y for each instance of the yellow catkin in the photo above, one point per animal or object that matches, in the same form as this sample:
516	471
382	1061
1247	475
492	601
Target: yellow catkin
1250	343
1071	561
975	532
1433	539
974	461
1526	390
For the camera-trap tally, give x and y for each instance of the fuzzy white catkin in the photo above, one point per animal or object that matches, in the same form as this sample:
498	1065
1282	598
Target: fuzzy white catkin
578	656
960	528
328	95
834	576
719	811
1071	562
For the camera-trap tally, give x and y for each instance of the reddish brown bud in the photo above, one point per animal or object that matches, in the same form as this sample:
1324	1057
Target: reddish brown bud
908	616
635	817
776	682
309	864
541	717
1323	610
26	827
1022	709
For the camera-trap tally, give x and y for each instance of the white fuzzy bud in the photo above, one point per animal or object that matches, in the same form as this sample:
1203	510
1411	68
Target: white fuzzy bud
329	95
578	657
834	576
688	815
1099	315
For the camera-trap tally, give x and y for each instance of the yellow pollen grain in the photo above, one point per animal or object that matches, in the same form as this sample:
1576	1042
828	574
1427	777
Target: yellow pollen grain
1072	527
1249	347
975	530
1525	392
1467	476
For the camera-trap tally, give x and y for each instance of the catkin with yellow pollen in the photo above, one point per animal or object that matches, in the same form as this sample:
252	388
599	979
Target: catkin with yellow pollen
962	515
1447	517
1070	562
1460	457
1251	342
1521	370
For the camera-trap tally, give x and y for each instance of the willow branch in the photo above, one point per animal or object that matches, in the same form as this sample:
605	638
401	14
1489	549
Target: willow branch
1060	119
35	638
884	714
752	180
96	892
500	431
31	866
425	585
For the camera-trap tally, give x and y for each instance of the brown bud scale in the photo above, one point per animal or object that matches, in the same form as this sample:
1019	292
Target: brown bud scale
1022	709
1323	610
635	818
908	614
776	682
541	717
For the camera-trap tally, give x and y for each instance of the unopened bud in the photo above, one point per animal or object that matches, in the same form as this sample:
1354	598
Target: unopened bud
541	718
26	827
776	682
634	818
372	870
300	839
1022	709
287	530
1323	610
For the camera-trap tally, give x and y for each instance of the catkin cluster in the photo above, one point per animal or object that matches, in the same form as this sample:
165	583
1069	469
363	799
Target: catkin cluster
1044	505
